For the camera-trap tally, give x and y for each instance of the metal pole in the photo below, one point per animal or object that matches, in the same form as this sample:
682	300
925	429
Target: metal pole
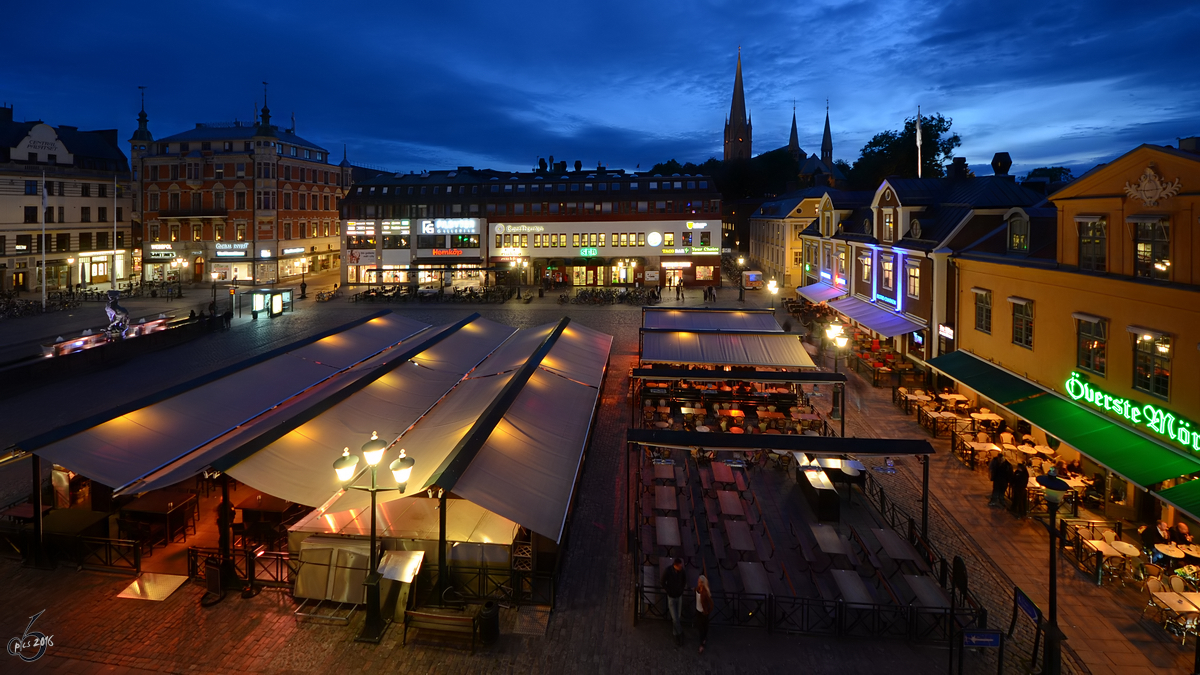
442	570
925	499
843	407
42	246
224	540
36	557
373	624
1053	653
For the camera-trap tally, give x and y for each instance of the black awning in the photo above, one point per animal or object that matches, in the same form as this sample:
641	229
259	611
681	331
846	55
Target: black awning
812	377
813	445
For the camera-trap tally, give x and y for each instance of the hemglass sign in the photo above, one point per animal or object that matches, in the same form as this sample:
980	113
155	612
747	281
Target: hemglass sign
1151	417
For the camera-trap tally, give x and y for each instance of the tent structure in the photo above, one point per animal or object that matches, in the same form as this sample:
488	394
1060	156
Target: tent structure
765	349
884	322
706	318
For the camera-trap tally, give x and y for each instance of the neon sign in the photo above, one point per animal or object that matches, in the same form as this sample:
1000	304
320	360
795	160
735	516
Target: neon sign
1151	417
890	301
447	251
589	252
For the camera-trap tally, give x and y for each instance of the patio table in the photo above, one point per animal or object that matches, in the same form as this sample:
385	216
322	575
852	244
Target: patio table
665	498
853	590
740	539
754	578
928	593
169	505
731	504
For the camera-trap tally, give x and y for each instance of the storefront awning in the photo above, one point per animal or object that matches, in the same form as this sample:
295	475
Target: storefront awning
820	292
710	319
1106	442
780	350
879	320
1185	497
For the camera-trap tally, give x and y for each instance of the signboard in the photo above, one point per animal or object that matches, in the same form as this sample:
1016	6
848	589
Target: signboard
1026	606
651	275
264	253
161	255
450	226
654	238
693	250
501	228
981	638
360	256
447	251
354	227
589	252
160	247
231	254
945	331
292	251
512	251
396	226
696	226
1146	417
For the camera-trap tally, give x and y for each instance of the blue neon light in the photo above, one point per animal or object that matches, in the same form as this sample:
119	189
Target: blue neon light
886	299
826	275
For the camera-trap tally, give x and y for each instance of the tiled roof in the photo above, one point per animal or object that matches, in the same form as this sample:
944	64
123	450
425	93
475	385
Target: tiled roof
237	131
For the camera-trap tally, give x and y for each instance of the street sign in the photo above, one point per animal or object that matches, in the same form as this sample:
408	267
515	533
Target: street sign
981	638
1027	607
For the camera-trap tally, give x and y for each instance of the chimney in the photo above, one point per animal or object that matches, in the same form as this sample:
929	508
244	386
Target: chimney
1001	163
1185	144
6	113
958	168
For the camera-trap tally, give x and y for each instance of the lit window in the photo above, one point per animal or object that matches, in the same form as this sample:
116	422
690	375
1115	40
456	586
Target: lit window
1092	343
1152	365
1022	329
983	311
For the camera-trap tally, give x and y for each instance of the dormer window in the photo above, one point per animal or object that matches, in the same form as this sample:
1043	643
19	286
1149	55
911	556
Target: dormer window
889	226
826	224
1018	235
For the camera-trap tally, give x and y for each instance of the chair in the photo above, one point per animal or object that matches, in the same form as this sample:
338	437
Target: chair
1153	586
1151	571
982	437
1178	584
984	411
1109	537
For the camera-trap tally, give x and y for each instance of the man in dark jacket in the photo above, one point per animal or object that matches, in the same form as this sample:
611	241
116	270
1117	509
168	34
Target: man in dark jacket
674	582
1020	485
1001	472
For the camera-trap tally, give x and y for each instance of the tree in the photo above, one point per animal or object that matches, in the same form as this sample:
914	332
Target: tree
1056	174
894	153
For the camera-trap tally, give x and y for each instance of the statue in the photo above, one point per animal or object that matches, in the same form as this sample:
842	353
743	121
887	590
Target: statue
118	316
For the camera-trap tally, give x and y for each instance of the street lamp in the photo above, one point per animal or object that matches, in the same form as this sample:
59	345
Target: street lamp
774	289
401	468
840	342
741	286
214	302
1055	488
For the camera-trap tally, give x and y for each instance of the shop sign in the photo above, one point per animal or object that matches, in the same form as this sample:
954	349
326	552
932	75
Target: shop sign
264	253
450	226
396	226
512	251
654	238
890	301
161	255
696	226
1151	417
519	229
693	250
354	227
651	275
447	251
292	251
360	256
945	331
589	252
160	247
675	264
918	338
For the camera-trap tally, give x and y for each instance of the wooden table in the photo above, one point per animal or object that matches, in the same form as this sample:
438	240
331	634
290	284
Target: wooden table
167	504
770	415
829	541
666	532
895	547
665	498
1103	547
1193	598
664	472
722	473
952	397
754	578
263	507
731	504
731	413
23	512
1190	549
854	591
1126	549
740	538
928	593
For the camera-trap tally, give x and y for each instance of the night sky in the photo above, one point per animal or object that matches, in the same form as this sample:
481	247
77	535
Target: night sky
430	85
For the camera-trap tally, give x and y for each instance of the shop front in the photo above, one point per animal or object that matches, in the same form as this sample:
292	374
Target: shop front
627	271
701	268
232	261
449	253
293	261
160	262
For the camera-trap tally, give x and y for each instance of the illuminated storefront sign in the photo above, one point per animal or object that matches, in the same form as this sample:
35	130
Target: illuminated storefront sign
693	250
589	252
447	251
675	264
395	226
696	226
511	251
945	331
160	247
654	238
826	275
353	227
1152	417
264	253
450	226
237	249
292	251
519	229
161	255
886	299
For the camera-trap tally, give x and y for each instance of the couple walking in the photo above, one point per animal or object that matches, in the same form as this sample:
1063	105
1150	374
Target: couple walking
674	582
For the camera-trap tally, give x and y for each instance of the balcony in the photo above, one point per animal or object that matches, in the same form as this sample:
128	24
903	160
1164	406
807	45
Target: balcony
193	213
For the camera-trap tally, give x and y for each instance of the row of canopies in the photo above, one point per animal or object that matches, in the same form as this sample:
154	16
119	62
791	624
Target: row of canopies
496	415
721	337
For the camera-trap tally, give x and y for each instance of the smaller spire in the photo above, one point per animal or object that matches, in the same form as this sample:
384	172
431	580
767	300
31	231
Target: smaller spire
827	140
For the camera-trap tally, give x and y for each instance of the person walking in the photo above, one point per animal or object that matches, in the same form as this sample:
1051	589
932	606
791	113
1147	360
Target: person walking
674	582
704	605
1020	485
228	317
1001	474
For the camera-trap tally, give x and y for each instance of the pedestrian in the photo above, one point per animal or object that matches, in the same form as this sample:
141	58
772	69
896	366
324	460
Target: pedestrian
704	605
212	308
1001	473
228	317
1020	485
674	582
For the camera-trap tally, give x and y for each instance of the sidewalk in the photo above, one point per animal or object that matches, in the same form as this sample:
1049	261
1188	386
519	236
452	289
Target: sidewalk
1103	625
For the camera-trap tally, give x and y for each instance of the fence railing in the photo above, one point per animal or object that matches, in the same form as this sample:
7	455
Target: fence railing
1074	532
108	554
518	587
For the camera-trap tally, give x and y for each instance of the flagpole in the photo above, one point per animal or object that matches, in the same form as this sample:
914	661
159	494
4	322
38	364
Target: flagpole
42	243
918	141
112	271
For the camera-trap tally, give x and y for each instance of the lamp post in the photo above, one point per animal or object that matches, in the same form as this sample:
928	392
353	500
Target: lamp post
214	303
741	285
303	285
401	468
516	270
1055	488
839	342
832	332
774	289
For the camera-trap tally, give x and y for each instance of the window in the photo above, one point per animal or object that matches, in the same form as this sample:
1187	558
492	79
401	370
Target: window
468	241
1152	365
889	226
706	239
239	200
797	258
85	189
175	232
153	202
840	273
1093	246
31	214
173	201
49	214
1153	257
101	214
1018	235
195	232
85	214
865	261
62	218
1092	346
431	241
219	199
913	287
102	190
983	311
641	238
1022	328
85	241
886	268
575	240
686	239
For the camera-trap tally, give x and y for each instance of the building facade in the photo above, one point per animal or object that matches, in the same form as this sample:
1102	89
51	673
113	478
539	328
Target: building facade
581	228
1099	309
77	182
776	235
252	202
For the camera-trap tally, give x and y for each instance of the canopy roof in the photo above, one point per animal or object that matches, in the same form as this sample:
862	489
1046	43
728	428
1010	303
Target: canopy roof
1185	497
807	376
131	443
710	319
820	292
769	349
882	321
1108	443
413	519
811	445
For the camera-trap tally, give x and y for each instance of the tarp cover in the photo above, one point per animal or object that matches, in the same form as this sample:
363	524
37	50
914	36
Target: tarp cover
713	319
132	445
725	349
882	321
413	519
820	292
1185	496
991	382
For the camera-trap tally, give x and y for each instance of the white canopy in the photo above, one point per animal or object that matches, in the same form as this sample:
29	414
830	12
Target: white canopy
414	519
725	349
130	446
712	319
882	321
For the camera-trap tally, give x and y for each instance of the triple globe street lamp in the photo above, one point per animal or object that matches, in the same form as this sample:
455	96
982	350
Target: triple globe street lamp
401	468
741	279
1054	488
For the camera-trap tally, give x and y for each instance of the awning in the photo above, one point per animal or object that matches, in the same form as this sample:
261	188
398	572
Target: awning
820	292
779	350
413	519
1185	497
812	445
1106	442
887	324
762	376
712	319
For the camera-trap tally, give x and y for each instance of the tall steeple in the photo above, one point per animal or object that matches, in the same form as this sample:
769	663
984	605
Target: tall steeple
794	140
738	127
827	141
143	131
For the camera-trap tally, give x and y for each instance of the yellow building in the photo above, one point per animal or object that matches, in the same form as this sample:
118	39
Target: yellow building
1085	324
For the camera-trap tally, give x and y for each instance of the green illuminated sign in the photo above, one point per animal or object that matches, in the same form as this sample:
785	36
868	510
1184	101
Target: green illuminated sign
1151	417
589	252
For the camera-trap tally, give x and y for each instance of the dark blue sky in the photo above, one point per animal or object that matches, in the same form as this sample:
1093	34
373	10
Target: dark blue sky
425	85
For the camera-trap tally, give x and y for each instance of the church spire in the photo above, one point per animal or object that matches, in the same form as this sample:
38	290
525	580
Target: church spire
827	140
738	127
143	131
794	140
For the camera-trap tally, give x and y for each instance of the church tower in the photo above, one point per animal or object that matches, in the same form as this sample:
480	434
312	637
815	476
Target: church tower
827	141
793	145
737	126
